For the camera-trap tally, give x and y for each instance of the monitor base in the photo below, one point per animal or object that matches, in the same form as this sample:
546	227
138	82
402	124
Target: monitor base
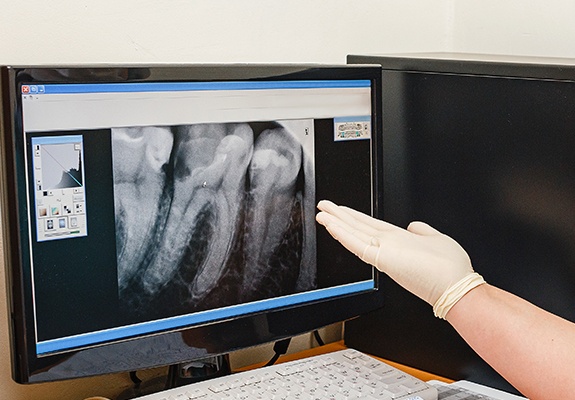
180	375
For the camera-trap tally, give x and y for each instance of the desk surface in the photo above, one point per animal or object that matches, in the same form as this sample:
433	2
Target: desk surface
331	347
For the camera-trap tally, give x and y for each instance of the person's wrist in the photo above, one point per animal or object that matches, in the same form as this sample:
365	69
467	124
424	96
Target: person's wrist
456	292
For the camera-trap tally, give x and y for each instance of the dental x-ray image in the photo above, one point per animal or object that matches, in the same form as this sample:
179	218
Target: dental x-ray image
209	215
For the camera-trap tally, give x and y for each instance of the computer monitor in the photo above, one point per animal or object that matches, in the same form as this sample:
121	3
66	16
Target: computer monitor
159	214
482	148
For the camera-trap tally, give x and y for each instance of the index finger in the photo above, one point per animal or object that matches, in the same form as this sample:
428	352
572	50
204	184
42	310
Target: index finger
356	241
352	217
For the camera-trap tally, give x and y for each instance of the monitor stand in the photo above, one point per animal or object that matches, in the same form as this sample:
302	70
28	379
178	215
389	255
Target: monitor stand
180	375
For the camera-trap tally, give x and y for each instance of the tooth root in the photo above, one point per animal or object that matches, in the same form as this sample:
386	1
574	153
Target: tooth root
278	275
139	155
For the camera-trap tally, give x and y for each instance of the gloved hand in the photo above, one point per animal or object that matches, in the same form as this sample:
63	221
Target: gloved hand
424	261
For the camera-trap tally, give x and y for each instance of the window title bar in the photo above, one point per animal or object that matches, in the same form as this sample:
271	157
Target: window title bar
78	88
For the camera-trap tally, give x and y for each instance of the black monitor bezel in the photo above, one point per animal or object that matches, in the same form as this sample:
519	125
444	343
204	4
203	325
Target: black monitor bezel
27	366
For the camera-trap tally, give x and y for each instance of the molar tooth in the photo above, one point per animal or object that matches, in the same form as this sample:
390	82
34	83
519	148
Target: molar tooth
139	155
231	161
210	163
273	173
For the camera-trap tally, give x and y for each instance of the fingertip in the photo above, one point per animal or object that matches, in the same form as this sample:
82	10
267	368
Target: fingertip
324	204
322	217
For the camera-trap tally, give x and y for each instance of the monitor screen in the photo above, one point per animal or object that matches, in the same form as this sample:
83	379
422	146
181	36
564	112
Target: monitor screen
155	215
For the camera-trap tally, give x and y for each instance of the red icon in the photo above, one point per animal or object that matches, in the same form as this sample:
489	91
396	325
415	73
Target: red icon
25	89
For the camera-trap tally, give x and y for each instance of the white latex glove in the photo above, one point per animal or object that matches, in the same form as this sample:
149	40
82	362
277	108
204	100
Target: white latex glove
424	261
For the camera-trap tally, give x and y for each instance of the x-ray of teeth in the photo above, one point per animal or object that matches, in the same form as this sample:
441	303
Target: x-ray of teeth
209	215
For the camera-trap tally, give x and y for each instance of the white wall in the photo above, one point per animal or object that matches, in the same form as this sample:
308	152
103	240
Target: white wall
200	31
157	31
517	27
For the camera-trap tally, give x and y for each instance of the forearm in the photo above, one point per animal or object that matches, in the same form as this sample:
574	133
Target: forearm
533	349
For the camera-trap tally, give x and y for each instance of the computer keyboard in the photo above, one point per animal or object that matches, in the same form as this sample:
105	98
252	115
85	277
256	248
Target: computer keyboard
345	374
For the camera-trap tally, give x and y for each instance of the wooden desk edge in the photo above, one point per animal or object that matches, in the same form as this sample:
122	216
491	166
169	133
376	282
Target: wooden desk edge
336	346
